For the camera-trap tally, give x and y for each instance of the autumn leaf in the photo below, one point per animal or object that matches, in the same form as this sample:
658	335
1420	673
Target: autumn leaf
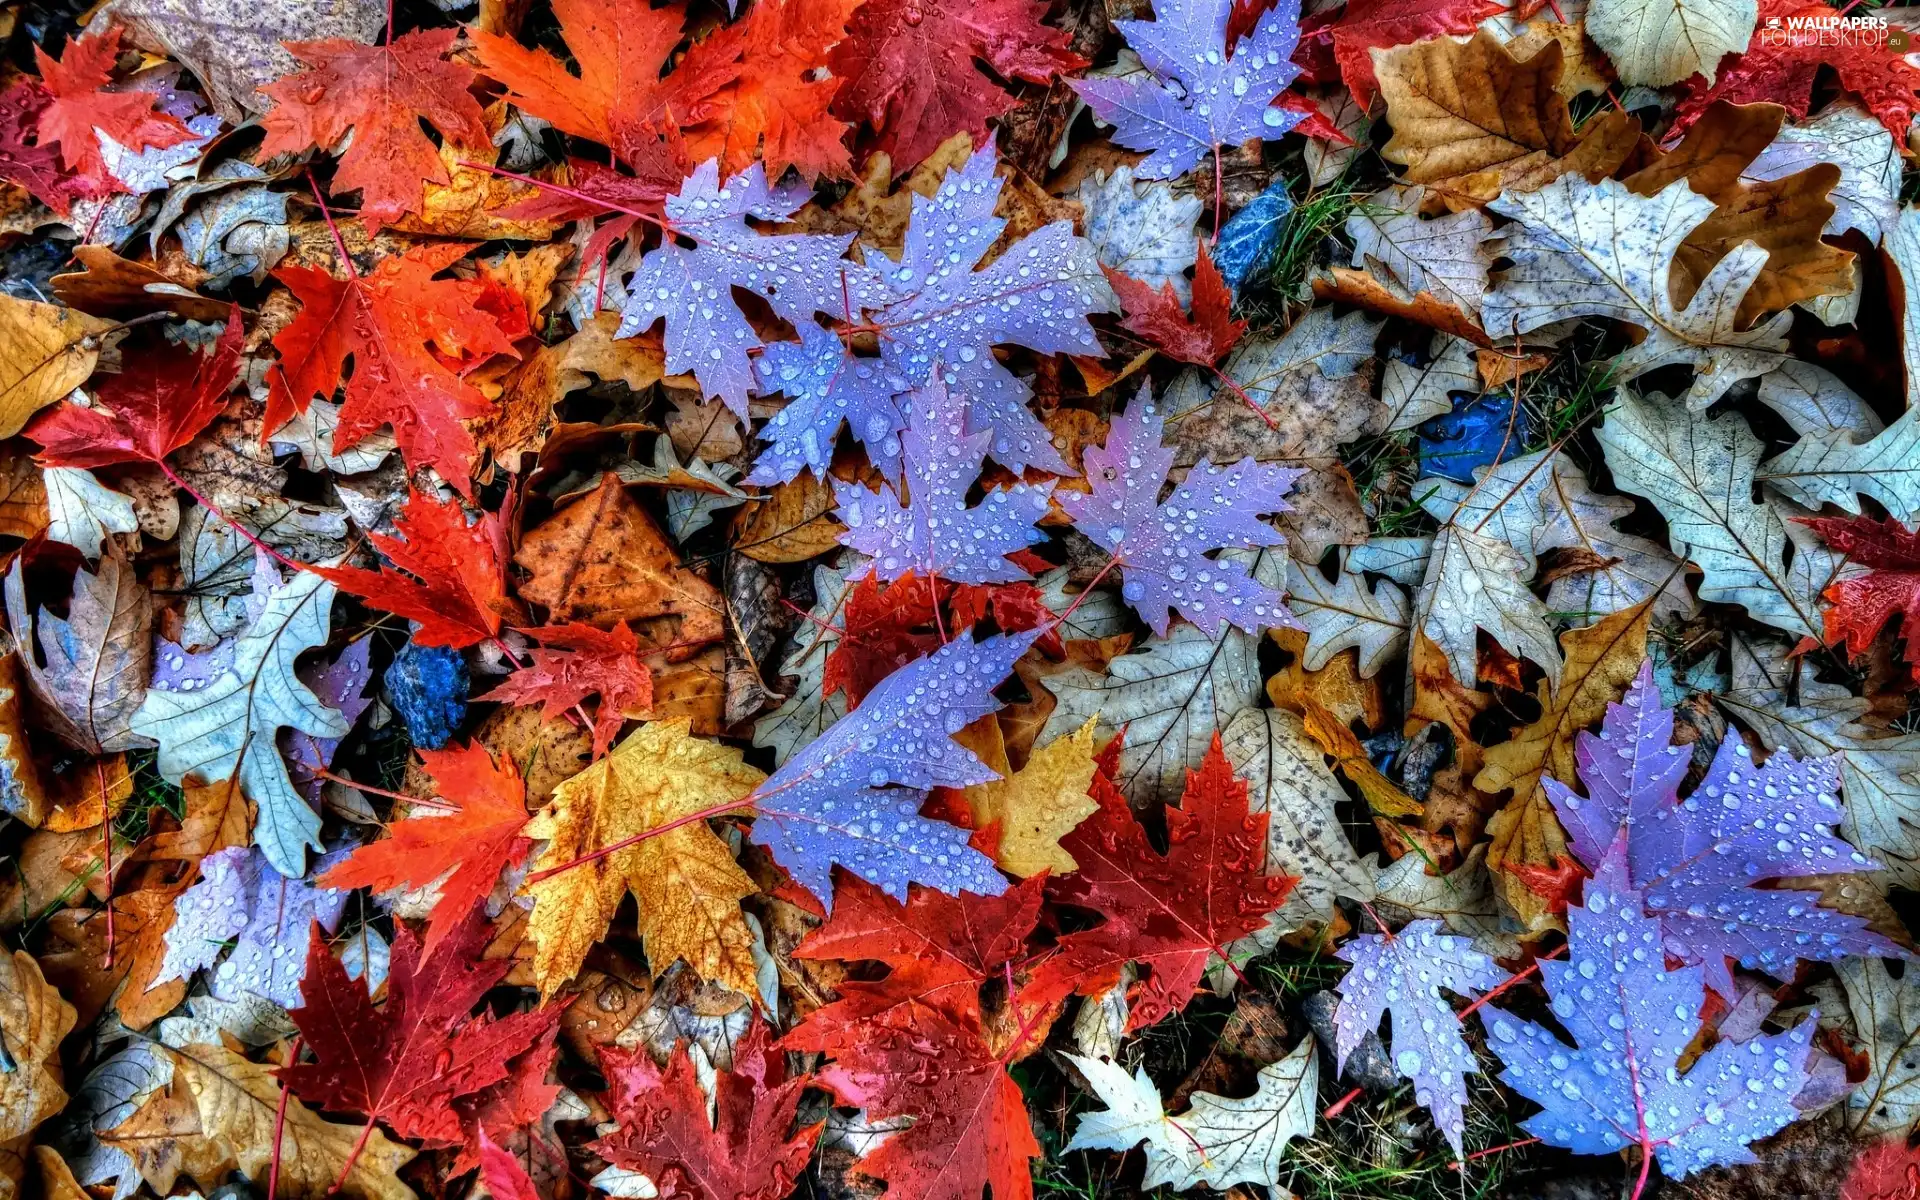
745	1153
619	98
1027	812
910	72
468	833
455	581
80	105
1171	912
46	351
147	411
1529	847
410	336
1202	337
223	1114
380	94
913	1045
406	1064
685	879
1355	31
34	1020
1863	606
1470	121
574	661
602	560
777	109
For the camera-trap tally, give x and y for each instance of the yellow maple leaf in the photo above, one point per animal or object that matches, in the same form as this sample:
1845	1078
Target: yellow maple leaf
1038	804
685	880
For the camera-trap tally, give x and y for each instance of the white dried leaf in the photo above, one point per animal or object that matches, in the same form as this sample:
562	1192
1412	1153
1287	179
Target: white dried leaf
1413	394
81	510
1348	613
1144	229
1445	256
1699	473
1661	42
1583	249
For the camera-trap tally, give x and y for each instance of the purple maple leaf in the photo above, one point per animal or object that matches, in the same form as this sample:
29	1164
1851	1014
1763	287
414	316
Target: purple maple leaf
1402	974
1162	547
1198	95
340	685
1697	860
853	795
1037	294
241	899
826	384
933	531
1631	1019
797	274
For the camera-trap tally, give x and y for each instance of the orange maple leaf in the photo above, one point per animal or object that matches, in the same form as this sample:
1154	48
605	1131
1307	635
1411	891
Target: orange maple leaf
381	93
619	98
459	584
472	830
392	322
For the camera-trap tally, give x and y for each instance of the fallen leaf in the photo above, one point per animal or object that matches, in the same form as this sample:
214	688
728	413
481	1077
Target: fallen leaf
45	352
685	879
602	560
1469	121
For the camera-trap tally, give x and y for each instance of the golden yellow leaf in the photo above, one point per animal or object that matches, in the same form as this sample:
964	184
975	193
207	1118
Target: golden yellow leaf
1036	805
1380	793
1601	660
1470	121
469	204
1338	685
685	880
45	352
33	1020
234	1103
1784	217
639	361
1714	152
56	1178
23	492
216	816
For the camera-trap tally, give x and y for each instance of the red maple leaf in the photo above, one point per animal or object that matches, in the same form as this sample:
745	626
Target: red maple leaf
912	1044
910	73
620	98
406	1064
37	167
575	661
886	626
472	830
158	403
458	583
1862	606
1171	912
1342	40
77	106
1782	70
381	94
1885	1170
1157	318
512	1116
505	1178
970	1126
391	323
745	1154
941	948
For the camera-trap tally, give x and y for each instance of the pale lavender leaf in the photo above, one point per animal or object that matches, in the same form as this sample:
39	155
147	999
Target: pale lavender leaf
1162	547
340	685
853	795
1402	974
797	274
241	899
1197	95
177	669
1037	294
1698	860
933	532
826	384
1631	1019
